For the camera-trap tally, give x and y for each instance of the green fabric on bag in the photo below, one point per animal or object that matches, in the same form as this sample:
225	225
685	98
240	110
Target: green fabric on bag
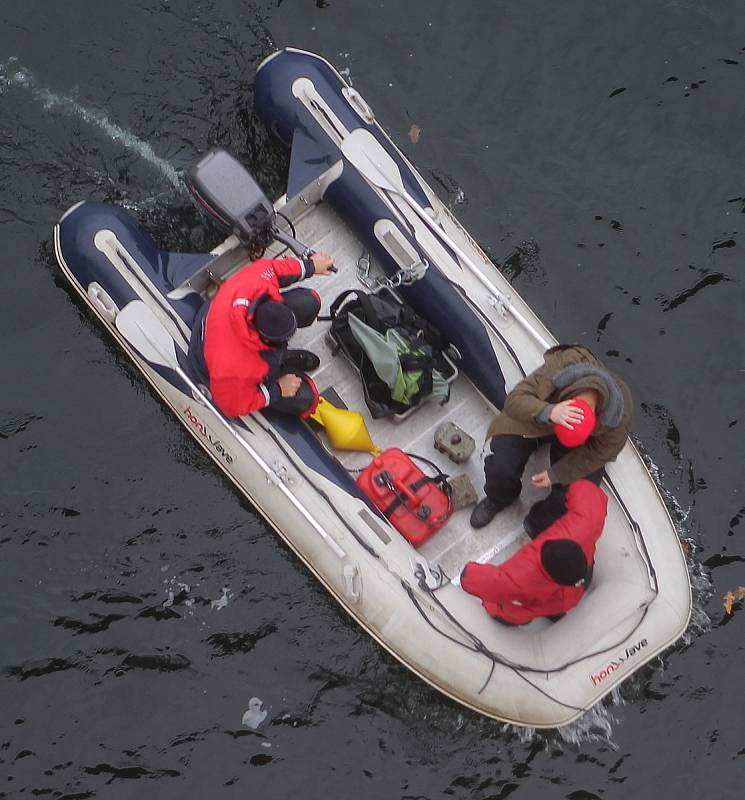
408	382
440	387
384	352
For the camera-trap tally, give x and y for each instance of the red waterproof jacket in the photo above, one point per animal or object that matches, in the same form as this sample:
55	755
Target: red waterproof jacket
232	347
520	589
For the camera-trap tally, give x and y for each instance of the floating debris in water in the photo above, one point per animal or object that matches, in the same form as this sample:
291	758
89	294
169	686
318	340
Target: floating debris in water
733	597
221	602
255	715
16	423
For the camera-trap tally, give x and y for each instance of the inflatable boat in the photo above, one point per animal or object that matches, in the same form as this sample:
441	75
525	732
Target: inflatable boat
352	193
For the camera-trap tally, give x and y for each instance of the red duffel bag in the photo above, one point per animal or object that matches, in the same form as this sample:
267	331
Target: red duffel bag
416	504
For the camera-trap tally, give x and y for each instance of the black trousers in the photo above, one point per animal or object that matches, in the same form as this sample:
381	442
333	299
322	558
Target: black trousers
305	304
303	400
503	470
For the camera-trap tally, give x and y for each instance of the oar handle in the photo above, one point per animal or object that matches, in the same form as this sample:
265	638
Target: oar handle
145	332
436	229
270	473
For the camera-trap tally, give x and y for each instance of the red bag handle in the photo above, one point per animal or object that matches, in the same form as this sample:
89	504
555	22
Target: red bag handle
404	489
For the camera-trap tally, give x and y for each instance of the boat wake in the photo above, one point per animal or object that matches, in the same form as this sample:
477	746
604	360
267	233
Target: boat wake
13	74
701	585
595	726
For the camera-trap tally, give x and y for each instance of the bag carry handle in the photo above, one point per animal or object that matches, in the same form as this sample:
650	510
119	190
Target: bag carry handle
441	478
339	300
403	492
406	491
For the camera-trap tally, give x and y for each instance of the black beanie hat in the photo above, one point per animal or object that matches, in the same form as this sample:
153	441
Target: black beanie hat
564	561
274	322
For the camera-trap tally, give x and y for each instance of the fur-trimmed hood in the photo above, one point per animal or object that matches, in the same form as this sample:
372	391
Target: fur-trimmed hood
568	370
589	376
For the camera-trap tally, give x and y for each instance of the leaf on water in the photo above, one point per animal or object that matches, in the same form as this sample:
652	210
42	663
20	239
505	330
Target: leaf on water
414	133
733	597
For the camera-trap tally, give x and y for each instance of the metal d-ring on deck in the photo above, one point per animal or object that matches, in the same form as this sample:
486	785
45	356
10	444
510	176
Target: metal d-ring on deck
405	276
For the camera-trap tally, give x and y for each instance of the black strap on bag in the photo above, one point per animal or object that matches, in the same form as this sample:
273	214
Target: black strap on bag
376	392
383	313
440	479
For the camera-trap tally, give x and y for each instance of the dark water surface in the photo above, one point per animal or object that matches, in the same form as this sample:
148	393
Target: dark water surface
596	149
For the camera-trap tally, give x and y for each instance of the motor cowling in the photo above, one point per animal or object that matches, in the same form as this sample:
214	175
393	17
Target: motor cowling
224	188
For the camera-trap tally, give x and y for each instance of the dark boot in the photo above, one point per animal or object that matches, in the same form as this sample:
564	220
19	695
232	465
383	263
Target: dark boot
484	512
529	527
300	360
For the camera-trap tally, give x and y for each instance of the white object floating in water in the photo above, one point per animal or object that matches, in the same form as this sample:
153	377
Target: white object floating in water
221	602
254	716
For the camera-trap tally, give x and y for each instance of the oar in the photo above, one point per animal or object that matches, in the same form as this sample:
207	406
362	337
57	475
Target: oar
371	159
145	333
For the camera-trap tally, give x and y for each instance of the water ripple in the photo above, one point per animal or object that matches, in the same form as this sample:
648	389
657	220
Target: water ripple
12	74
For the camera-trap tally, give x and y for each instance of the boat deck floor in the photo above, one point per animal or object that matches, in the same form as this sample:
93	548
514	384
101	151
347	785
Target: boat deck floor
456	543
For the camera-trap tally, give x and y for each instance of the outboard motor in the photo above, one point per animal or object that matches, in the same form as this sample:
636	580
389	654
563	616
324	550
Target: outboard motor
229	193
226	190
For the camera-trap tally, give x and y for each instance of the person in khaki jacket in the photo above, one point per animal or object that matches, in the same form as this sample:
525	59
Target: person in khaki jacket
572	402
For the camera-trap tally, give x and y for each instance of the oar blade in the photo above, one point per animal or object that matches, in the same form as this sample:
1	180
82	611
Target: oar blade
145	332
370	158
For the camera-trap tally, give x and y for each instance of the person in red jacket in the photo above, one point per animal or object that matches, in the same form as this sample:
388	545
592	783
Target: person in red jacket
548	576
242	337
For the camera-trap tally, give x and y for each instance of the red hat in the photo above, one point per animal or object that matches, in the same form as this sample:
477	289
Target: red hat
581	431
